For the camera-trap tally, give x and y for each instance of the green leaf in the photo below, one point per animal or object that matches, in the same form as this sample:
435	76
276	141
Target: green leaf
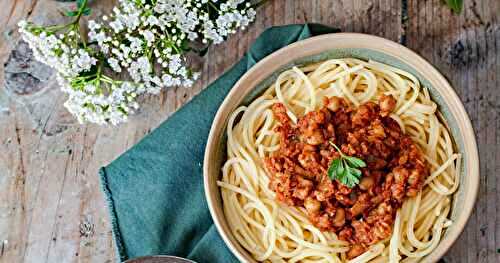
58	52
332	170
350	180
72	13
355	172
455	5
79	3
343	179
86	11
185	45
355	162
340	169
344	169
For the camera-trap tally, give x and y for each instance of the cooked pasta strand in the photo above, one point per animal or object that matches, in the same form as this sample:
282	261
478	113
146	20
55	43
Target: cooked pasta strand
273	232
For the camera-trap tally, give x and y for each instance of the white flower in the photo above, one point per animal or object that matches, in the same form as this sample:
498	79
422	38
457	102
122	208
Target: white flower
90	88
140	69
175	63
135	38
135	44
93	25
89	106
22	24
117	26
149	36
152	21
52	51
113	63
83	61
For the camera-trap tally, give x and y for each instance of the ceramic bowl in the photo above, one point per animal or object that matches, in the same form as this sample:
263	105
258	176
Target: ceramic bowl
341	45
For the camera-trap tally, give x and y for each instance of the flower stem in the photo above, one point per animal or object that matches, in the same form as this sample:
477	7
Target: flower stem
58	27
80	11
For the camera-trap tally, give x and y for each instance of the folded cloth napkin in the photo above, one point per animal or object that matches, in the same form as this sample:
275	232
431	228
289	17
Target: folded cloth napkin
154	191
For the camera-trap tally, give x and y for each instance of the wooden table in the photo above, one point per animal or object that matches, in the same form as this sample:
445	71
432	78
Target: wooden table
51	207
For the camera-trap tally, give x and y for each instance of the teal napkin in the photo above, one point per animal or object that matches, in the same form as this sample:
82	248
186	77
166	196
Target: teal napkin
154	191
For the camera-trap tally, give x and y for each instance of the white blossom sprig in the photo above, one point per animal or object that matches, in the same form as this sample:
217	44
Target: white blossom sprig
147	39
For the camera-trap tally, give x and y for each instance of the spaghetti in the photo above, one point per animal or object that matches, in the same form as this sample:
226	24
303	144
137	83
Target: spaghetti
273	232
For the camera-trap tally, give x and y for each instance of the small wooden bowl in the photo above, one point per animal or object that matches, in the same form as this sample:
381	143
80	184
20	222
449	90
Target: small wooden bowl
341	45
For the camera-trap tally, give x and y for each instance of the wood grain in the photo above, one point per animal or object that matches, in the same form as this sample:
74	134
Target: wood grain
51	207
465	48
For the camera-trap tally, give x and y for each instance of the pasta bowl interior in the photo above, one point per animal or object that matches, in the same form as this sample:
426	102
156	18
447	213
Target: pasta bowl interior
399	186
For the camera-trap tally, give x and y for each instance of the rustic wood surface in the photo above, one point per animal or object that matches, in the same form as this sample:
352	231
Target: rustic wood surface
51	208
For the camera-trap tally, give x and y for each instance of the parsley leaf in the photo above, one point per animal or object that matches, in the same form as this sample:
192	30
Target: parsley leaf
332	170
355	172
345	169
355	162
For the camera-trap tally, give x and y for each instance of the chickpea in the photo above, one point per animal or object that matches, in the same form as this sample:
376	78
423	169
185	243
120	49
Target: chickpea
301	193
306	157
339	219
378	131
355	251
400	174
384	209
412	192
312	205
403	159
324	221
319	117
359	207
377	199
366	183
334	103
315	138
387	104
414	177
330	129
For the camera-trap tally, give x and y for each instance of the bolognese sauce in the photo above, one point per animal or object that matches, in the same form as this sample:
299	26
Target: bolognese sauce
395	168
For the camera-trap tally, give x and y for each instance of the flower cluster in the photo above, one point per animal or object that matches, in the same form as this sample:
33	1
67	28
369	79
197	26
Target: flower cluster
89	104
147	39
58	51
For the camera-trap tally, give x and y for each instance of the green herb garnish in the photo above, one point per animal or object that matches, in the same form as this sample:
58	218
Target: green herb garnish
345	169
455	5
